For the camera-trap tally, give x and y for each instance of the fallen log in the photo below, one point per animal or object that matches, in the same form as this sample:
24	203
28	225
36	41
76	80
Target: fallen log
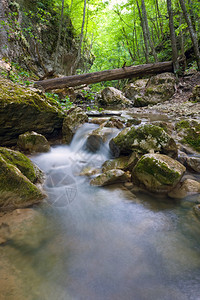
115	74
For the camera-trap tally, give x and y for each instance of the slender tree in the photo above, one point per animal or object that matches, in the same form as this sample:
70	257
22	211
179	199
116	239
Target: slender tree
59	35
81	38
193	34
146	50
144	13
173	37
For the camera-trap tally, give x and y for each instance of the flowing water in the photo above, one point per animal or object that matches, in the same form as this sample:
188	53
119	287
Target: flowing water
91	243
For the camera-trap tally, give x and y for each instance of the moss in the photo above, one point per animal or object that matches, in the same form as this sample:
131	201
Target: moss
157	137
140	101
182	124
14	182
190	133
13	93
159	170
22	162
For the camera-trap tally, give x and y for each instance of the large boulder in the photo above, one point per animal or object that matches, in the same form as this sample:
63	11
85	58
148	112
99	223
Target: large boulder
18	175
72	121
33	142
113	97
189	133
158	89
143	139
23	109
157	172
23	163
110	177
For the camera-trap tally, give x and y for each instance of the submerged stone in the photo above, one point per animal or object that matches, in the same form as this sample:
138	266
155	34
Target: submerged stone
157	172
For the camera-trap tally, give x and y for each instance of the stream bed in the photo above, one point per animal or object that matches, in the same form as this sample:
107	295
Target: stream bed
91	243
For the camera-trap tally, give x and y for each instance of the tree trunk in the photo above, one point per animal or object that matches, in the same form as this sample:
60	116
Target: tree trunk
81	39
181	36
146	52
172	37
144	13
126	72
159	17
193	34
59	35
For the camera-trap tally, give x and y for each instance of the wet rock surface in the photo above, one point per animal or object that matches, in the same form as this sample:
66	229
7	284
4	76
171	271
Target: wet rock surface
16	189
23	109
187	187
157	172
33	142
143	139
110	177
189	133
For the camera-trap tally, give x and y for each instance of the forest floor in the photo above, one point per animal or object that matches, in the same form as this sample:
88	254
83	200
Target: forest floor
179	105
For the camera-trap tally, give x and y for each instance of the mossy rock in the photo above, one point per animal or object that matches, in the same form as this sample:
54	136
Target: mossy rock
196	94
189	133
160	88
141	101
16	190
72	121
143	139
23	109
110	177
157	172
135	89
23	163
33	142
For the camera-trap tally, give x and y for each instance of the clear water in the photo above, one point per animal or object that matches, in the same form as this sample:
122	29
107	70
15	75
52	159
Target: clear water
104	243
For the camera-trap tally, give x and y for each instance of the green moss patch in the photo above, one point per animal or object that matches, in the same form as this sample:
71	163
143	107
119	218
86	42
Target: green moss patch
189	131
16	190
22	162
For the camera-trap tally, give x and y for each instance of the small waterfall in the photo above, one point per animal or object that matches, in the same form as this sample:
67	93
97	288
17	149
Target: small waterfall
64	163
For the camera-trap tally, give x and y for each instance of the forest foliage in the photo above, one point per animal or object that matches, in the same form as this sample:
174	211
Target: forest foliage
111	34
